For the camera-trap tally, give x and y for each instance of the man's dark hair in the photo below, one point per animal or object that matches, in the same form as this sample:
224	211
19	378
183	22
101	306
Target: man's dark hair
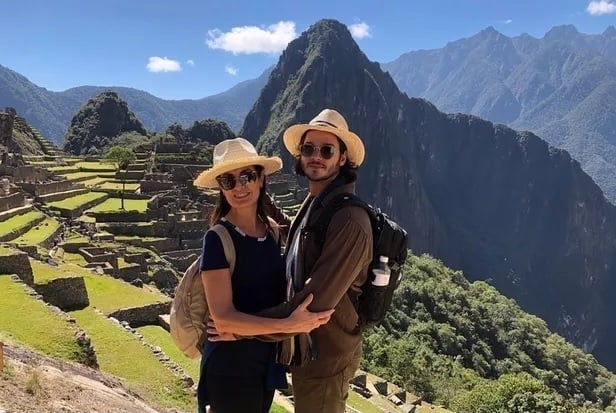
348	171
223	207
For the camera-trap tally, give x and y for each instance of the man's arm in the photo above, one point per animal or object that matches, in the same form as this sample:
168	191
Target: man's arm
347	250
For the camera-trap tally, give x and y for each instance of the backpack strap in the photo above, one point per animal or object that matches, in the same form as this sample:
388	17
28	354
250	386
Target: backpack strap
227	244
319	228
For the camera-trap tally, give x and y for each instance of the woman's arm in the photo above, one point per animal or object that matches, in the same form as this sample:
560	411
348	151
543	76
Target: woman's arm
217	286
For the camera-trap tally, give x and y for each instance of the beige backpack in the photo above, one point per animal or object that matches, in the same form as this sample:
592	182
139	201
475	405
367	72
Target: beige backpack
189	312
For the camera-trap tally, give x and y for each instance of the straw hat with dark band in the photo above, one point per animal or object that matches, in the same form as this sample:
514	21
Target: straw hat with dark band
328	121
232	154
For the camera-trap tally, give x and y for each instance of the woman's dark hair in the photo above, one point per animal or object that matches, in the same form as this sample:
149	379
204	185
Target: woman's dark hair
348	171
223	206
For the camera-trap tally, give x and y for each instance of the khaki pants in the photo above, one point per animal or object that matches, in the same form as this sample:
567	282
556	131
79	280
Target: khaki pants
323	395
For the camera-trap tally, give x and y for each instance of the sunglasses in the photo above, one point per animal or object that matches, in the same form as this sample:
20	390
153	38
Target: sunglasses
228	181
326	151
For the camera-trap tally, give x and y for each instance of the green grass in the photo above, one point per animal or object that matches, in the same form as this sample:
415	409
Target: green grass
18	221
106	293
277	409
158	336
39	233
77	175
5	250
95	181
361	404
96	166
29	322
118	186
121	354
113	204
77	201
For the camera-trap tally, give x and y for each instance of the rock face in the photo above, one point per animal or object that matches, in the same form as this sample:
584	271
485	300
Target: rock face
499	204
561	87
100	120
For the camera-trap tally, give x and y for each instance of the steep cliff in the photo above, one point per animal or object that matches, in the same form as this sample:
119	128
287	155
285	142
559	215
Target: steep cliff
499	204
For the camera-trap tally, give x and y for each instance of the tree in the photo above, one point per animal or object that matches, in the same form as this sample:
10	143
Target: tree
121	156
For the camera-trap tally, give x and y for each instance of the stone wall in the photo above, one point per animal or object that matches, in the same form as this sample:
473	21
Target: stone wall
129	273
155	186
137	259
45	188
126	216
11	201
19	264
141	316
26	173
65	293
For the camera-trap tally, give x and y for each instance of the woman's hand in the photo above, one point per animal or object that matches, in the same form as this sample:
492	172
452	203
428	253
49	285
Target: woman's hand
303	321
215	335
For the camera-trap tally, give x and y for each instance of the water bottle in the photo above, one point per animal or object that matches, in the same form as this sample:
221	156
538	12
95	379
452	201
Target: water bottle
382	273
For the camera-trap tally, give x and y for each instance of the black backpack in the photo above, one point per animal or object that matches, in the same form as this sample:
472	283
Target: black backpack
389	239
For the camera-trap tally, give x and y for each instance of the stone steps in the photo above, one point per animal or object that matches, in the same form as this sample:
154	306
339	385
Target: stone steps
59	196
4	215
22	229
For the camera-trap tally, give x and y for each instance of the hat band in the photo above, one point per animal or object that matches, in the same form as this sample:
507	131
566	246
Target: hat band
327	123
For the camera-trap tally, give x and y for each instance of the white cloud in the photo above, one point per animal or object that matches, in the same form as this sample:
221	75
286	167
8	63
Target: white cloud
158	64
231	70
360	30
597	8
190	62
253	39
508	21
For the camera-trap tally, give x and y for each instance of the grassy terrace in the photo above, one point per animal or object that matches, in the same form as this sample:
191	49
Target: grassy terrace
113	204
117	185
96	166
77	201
136	364
19	221
91	175
105	293
29	322
39	233
158	336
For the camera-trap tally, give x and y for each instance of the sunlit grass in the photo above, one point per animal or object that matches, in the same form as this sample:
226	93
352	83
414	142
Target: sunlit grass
114	204
105	293
39	233
158	336
75	202
18	221
120	353
29	322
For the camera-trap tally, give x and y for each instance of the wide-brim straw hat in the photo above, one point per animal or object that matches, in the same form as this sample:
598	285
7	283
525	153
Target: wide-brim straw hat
232	154
328	121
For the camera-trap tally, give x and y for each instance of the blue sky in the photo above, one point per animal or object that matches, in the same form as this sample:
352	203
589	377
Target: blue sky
189	49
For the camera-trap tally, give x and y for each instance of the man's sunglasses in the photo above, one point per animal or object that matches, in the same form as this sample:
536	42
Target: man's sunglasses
326	151
228	181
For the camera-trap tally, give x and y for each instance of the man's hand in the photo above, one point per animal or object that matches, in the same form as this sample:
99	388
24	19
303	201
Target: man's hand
215	335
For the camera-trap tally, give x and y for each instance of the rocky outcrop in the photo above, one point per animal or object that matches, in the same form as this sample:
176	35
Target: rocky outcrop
102	119
501	205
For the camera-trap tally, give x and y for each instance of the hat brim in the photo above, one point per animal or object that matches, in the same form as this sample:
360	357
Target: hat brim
355	147
207	178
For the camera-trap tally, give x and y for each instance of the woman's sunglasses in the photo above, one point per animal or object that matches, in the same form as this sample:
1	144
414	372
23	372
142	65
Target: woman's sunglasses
228	181
326	151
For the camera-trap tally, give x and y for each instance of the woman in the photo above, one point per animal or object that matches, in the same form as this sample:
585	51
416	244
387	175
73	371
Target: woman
237	376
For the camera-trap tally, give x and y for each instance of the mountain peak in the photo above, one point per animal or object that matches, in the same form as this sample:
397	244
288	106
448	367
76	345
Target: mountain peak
563	32
610	31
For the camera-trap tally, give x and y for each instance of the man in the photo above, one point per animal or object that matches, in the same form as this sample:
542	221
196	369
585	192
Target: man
328	155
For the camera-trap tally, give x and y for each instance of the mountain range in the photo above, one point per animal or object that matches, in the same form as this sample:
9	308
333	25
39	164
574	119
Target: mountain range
500	205
51	112
561	87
